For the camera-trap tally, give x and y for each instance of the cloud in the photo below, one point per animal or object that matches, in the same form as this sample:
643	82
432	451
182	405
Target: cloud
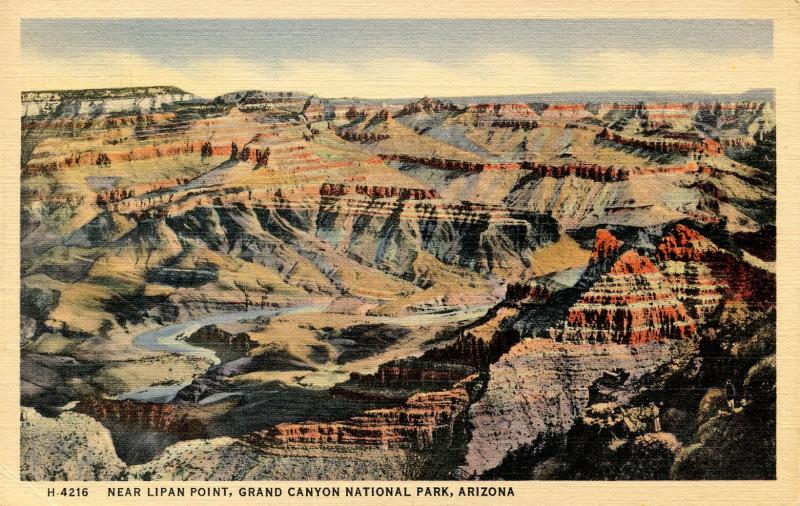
497	73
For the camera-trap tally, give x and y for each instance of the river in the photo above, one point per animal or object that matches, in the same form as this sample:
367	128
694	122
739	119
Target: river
259	406
170	338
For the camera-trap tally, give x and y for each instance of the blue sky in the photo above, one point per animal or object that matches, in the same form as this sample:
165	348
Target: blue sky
396	58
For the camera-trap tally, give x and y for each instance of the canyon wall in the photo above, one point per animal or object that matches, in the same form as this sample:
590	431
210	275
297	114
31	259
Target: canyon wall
413	424
96	102
70	447
593	172
536	391
145	415
631	304
705	146
719	270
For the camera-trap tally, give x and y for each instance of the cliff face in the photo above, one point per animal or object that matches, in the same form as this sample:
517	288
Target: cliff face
632	304
145	415
360	234
606	250
328	190
589	171
407	373
427	105
605	246
695	285
414	424
714	270
76	447
536	391
65	104
390	234
687	245
232	459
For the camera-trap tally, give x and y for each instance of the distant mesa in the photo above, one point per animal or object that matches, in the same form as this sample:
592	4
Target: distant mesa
95	102
428	105
250	97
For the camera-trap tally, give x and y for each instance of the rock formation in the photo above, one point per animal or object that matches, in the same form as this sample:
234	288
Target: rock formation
538	389
413	424
70	447
632	304
227	458
745	282
529	292
606	247
682	147
338	190
212	337
101	101
146	415
426	104
590	171
360	135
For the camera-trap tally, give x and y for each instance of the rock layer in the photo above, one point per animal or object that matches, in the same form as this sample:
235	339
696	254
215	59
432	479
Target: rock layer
414	424
537	390
632	304
145	415
745	282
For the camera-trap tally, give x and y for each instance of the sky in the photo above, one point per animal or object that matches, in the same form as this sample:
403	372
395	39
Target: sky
399	58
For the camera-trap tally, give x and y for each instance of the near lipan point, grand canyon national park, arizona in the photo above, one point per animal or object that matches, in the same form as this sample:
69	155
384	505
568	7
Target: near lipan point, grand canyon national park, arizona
398	250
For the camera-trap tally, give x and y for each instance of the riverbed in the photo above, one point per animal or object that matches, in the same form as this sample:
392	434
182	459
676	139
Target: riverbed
169	339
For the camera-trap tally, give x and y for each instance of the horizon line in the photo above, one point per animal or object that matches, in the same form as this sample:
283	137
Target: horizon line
771	90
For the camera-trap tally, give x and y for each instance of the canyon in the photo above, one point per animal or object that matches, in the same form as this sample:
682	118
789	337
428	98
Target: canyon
281	286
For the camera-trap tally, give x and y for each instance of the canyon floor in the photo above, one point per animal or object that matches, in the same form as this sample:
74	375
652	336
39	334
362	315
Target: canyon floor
291	287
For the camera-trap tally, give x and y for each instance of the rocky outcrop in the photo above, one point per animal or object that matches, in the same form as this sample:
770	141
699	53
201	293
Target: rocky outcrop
614	442
682	147
415	424
481	238
685	244
69	447
632	304
515	124
70	103
211	336
405	374
75	447
745	282
590	171
428	105
606	247
360	135
529	292
538	389
503	110
53	380
233	459
695	285
111	156
338	190
145	415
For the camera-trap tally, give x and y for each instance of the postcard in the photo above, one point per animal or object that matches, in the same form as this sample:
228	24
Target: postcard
423	259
